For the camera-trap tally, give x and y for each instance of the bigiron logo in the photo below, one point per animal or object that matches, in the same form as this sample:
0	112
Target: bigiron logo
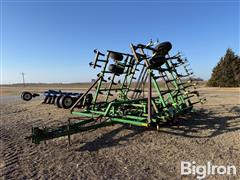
202	171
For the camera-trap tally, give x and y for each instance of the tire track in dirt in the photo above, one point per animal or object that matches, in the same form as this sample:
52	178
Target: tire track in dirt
13	159
9	155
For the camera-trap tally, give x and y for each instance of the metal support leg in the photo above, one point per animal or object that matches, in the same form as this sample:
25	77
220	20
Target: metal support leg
149	97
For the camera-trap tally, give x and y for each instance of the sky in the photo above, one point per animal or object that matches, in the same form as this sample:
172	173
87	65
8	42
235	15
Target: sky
53	41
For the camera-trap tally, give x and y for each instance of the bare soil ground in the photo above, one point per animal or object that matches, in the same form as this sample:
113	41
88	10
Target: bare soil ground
119	151
17	89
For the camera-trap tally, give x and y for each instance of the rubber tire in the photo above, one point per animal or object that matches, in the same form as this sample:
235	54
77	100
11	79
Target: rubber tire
116	56
163	48
157	61
26	96
116	69
66	102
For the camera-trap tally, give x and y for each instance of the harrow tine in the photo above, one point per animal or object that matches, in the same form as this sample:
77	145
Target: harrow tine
188	97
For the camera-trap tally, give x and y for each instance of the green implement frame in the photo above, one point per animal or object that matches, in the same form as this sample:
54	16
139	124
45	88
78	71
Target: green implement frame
137	89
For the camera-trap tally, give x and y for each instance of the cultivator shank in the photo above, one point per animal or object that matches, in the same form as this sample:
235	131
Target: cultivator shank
145	88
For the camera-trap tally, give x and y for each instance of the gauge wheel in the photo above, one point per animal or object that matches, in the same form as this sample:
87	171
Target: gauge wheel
26	96
116	56
66	102
163	48
116	69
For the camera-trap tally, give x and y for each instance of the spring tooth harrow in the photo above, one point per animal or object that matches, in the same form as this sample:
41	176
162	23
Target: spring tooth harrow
137	89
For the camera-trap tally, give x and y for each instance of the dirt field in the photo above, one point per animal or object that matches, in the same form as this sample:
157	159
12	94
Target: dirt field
119	151
12	90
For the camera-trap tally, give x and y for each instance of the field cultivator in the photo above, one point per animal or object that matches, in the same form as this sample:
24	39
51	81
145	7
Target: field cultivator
147	88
